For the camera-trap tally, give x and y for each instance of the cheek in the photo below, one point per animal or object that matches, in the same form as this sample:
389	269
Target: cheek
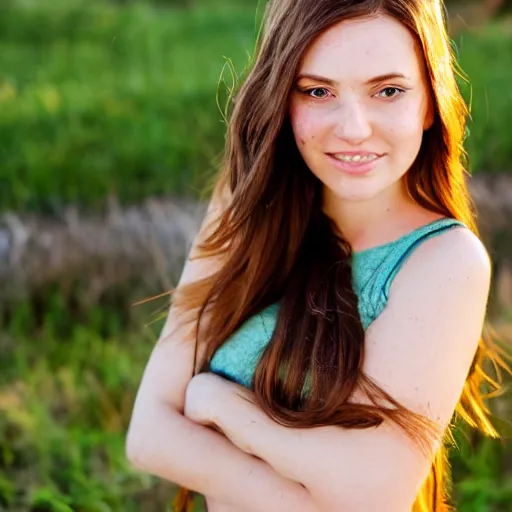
406	123
305	125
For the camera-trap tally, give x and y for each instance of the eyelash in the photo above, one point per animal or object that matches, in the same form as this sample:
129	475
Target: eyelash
307	92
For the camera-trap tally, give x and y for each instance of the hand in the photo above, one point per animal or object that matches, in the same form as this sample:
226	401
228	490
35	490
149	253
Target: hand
200	399
215	402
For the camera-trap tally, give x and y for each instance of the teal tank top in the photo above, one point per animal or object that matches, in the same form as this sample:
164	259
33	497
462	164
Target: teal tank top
373	271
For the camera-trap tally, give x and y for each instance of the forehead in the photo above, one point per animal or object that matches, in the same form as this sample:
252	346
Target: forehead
363	47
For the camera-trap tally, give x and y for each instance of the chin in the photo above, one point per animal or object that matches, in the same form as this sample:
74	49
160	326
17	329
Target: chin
356	194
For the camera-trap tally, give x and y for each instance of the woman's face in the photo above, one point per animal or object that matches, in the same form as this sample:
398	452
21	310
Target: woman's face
359	107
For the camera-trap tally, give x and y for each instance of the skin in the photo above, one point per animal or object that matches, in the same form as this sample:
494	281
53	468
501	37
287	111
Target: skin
375	100
348	108
419	349
162	441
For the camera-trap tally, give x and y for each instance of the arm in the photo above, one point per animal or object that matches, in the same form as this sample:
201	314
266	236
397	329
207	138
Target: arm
208	463
420	350
161	441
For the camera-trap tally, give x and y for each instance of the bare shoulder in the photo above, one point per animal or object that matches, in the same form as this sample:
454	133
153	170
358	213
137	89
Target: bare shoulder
422	345
464	246
455	259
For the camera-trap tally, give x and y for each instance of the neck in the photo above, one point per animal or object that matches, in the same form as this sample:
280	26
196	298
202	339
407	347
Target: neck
379	220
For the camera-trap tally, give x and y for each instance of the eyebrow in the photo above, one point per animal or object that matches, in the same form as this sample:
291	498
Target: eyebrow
371	81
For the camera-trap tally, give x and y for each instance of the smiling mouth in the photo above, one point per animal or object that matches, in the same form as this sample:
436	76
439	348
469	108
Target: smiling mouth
356	157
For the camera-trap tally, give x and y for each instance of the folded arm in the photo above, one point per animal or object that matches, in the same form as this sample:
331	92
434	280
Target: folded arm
162	442
419	350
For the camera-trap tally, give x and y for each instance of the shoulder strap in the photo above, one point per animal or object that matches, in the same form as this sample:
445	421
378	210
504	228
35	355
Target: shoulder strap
406	246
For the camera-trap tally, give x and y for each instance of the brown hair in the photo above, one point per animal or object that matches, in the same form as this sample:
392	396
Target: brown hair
278	245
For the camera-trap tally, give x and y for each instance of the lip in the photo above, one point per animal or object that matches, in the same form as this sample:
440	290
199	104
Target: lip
351	153
355	167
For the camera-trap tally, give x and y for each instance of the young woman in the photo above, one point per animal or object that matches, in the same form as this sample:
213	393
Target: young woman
337	291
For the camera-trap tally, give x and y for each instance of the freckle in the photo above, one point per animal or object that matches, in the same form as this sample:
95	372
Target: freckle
302	142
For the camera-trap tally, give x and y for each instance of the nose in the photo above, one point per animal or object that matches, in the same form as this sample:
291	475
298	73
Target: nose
351	122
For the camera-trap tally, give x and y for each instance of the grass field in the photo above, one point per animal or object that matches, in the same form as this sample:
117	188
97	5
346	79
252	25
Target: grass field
96	99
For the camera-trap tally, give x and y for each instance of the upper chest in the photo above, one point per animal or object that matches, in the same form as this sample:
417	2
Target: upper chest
373	272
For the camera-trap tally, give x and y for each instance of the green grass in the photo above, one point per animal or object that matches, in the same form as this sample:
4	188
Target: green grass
485	59
66	391
98	99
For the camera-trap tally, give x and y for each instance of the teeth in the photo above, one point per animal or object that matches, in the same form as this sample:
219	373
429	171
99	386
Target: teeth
356	158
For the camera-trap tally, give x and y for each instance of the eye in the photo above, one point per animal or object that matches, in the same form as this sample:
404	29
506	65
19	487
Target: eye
390	92
318	93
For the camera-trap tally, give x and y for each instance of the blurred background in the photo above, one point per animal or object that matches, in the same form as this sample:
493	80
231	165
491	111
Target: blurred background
111	125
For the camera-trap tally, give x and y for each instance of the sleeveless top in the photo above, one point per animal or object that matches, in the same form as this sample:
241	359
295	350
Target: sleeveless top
373	271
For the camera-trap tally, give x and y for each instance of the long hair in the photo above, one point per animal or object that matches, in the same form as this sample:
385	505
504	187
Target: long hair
278	245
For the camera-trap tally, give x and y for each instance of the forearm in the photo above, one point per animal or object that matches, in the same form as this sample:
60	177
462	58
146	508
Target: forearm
252	431
335	466
204	461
